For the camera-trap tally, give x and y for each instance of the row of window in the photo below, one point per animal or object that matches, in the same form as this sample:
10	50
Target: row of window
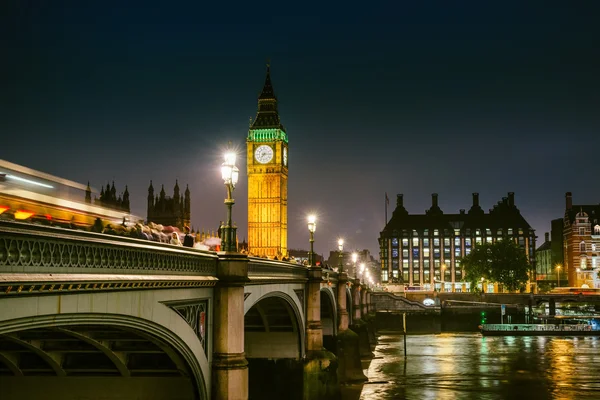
596	230
582	247
457	232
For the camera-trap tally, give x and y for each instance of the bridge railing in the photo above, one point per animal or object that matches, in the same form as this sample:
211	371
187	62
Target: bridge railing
265	269
31	248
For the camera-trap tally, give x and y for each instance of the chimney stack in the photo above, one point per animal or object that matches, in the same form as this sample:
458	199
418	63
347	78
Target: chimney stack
547	236
475	199
462	211
511	199
399	200
434	200
505	200
569	200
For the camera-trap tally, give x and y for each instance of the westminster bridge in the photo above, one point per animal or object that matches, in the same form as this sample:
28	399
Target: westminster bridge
86	315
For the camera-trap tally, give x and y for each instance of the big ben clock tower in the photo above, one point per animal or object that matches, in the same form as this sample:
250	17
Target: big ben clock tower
267	151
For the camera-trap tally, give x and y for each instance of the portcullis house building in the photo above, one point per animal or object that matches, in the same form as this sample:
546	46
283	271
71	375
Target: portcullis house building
423	251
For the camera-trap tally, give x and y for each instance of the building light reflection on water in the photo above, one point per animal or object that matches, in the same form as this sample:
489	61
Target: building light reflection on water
454	366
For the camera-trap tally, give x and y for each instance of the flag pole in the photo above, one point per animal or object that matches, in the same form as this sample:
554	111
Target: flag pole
386	205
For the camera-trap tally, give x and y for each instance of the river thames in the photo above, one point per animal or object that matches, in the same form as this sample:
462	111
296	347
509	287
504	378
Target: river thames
469	366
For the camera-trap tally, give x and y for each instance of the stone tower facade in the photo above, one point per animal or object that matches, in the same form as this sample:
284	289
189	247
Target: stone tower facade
267	161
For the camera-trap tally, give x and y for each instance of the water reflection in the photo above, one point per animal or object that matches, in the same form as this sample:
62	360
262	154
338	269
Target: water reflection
468	366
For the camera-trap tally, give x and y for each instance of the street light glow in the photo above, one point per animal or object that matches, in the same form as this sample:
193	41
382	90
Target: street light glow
312	223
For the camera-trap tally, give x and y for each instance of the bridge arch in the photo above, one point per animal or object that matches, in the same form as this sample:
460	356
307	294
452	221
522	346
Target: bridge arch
141	314
275	319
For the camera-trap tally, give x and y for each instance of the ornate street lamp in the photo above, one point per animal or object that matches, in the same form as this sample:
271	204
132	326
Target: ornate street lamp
341	249
312	225
354	258
230	174
558	274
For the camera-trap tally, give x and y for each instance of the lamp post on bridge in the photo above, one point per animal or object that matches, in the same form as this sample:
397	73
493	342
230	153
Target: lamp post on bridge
230	175
354	259
341	249
312	226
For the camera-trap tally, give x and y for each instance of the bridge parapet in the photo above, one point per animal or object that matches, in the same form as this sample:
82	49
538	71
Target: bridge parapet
41	259
261	269
28	248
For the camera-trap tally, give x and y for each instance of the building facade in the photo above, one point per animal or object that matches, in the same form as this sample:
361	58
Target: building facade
544	268
581	243
267	162
424	250
169	211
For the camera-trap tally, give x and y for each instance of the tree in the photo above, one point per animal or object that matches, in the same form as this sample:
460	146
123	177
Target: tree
503	262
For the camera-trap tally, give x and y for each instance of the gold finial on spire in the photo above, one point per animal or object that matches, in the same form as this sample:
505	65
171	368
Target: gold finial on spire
268	63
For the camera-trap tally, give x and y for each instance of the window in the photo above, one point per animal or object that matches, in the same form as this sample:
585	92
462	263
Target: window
405	265
436	241
405	276
394	252
593	246
510	231
457	252
426	242
447	242
583	263
477	232
488	239
395	242
488	231
478	240
404	242
456	242
426	252
597	230
582	246
415	242
436	232
416	279
467	242
499	232
384	276
581	231
404	253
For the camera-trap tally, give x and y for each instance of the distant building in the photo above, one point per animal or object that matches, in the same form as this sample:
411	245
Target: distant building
415	249
108	198
544	269
582	243
169	211
353	269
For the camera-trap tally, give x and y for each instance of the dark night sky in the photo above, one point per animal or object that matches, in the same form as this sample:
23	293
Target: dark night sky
375	97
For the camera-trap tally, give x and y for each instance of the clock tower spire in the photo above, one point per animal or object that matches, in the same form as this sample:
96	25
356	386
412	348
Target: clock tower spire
267	158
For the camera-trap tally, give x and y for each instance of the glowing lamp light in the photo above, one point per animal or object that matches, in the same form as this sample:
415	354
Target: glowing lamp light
312	223
229	172
354	257
3	208
21	214
341	244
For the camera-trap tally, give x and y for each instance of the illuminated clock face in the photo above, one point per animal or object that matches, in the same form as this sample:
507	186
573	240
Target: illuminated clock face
285	156
263	154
